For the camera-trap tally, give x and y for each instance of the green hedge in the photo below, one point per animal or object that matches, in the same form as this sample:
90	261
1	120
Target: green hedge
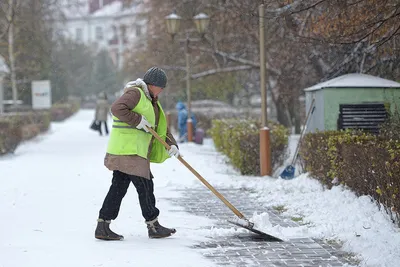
239	140
10	137
62	111
367	164
314	155
18	127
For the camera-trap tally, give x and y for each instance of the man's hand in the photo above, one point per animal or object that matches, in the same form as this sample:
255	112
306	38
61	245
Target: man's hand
143	124
173	151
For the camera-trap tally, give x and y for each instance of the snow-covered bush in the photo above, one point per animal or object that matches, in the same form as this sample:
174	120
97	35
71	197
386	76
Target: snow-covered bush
62	111
18	127
239	140
368	164
10	136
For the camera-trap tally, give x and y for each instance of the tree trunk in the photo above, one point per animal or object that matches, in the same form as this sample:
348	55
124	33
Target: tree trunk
295	113
297	122
11	51
281	113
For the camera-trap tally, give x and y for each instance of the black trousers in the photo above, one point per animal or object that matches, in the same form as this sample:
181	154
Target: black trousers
117	191
105	127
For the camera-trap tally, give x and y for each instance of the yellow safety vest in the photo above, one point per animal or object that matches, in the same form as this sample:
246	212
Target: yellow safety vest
127	140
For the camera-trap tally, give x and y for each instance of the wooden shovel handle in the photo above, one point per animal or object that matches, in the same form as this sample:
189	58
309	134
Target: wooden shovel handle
204	181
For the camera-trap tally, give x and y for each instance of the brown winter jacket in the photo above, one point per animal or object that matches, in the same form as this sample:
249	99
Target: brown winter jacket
122	109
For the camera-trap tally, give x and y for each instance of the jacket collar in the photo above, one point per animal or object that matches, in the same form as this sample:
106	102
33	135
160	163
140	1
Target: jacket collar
139	83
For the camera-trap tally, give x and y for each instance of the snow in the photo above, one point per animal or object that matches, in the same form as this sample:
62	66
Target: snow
355	80
52	188
293	141
173	16
50	194
108	10
334	214
210	104
201	16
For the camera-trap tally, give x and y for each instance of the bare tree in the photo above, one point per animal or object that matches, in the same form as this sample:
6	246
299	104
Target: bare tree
27	41
8	10
307	41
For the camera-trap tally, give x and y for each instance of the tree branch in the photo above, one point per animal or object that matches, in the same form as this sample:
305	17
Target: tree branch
168	67
215	71
308	8
284	9
349	58
228	56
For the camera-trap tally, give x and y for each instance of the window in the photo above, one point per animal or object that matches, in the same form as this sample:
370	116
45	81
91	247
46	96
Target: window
79	34
99	33
138	30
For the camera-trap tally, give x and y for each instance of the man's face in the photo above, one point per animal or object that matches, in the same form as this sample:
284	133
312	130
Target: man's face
155	90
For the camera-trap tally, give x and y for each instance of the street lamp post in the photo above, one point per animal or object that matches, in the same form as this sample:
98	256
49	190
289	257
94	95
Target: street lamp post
173	22
265	146
189	122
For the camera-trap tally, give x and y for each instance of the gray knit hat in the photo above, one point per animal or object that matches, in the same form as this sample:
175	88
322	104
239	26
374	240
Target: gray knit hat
155	76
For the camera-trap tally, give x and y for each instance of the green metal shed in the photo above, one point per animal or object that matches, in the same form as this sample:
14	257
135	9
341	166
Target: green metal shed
356	89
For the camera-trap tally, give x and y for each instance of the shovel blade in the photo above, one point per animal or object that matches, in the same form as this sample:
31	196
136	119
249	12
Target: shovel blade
263	235
288	173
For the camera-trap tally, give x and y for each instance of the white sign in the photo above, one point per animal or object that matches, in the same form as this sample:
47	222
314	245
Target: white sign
41	94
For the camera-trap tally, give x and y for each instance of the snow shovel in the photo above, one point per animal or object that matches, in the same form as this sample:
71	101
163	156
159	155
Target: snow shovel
241	221
288	172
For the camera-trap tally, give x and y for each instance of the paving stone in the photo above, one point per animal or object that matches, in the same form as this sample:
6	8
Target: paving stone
247	249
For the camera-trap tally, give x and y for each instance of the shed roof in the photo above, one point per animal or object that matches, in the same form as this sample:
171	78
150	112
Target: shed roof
355	80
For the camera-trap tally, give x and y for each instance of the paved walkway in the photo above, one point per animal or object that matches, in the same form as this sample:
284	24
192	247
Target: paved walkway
248	249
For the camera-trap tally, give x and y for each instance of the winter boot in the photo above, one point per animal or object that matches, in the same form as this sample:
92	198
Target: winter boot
156	230
103	231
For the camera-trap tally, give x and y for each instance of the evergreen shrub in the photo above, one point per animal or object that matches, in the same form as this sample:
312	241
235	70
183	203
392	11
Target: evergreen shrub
365	163
62	111
18	127
238	139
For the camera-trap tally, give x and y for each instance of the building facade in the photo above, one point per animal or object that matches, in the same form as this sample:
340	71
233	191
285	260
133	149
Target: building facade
112	25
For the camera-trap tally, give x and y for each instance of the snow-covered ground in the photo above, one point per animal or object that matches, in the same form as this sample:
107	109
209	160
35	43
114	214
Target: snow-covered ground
52	189
50	194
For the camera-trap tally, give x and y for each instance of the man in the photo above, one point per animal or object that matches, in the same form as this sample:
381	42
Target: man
130	150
